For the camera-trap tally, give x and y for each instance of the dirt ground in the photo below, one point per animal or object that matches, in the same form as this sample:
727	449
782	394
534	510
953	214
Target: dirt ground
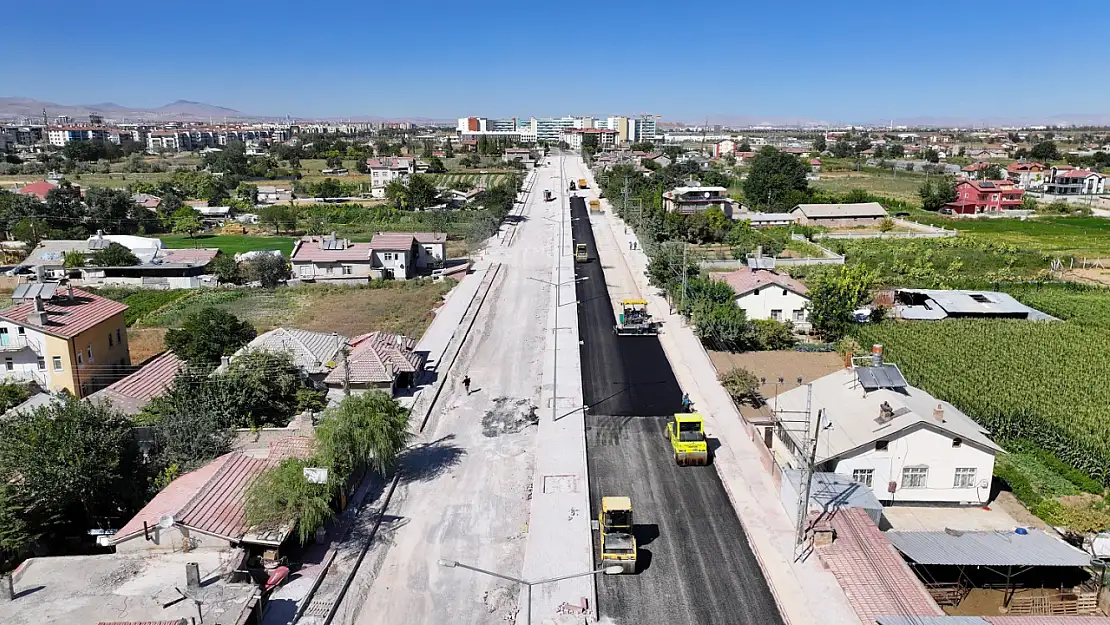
789	365
404	309
988	601
1007	502
1097	277
143	343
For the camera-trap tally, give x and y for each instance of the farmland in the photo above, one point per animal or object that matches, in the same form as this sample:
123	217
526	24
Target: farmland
902	186
1082	237
229	243
1041	381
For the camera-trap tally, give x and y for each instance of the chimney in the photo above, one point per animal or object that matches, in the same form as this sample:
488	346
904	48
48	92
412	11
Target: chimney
192	576
886	413
225	361
847	360
37	316
759	251
876	355
938	413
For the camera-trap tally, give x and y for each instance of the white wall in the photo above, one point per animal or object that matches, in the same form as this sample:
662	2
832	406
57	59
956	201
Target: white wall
24	361
430	254
397	261
924	447
759	306
320	270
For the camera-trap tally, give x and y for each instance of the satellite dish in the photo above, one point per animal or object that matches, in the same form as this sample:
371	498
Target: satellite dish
166	522
707	194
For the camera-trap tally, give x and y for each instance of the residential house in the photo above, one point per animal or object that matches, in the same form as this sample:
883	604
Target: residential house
270	194
38	189
988	152
524	155
840	215
63	338
976	170
387	169
575	137
131	394
458	199
1067	180
398	255
158	266
378	361
763	293
314	353
724	148
690	200
974	197
763	220
896	439
330	258
147	201
933	304
1026	175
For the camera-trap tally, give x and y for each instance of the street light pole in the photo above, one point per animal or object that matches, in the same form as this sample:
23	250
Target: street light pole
608	570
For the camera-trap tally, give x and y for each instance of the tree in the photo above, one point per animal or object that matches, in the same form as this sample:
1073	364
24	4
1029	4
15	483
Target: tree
436	166
264	388
269	270
835	294
329	188
935	195
992	171
114	255
193	420
186	221
367	430
820	144
769	335
741	385
71	465
449	149
777	181
277	215
64	207
1045	151
226	269
111	210
283	495
334	161
426	152
896	150
12	394
842	149
931	155
886	225
744	147
422	193
397	192
209	334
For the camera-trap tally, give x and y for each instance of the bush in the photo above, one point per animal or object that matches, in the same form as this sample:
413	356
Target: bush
768	334
742	386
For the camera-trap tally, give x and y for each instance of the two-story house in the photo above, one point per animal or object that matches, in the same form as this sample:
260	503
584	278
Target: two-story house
389	255
330	258
985	196
63	338
387	169
690	200
896	439
1024	175
1067	180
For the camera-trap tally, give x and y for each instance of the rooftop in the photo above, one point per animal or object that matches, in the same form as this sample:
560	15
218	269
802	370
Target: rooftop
995	549
392	241
135	391
841	211
853	414
746	280
311	351
39	189
376	357
329	249
82	590
923	304
66	316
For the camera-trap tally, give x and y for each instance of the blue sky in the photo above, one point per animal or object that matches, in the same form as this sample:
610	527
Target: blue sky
830	60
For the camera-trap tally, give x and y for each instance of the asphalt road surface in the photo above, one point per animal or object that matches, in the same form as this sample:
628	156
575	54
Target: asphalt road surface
695	563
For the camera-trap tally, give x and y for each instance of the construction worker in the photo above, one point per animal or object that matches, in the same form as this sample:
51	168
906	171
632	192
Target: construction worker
466	384
686	403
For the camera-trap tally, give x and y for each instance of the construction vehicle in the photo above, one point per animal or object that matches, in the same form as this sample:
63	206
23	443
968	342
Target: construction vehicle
547	195
581	254
582	184
572	186
635	319
687	434
595	206
618	544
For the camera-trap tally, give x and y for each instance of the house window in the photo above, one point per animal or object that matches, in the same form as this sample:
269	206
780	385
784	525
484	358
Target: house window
306	270
329	270
89	348
347	270
9	364
755	292
957	442
387	256
881	445
799	315
79	361
42	364
110	343
57	363
21	331
776	314
915	477
784	292
965	478
863	476
119	336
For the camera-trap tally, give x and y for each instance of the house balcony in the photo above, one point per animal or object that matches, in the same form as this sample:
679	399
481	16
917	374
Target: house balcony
10	344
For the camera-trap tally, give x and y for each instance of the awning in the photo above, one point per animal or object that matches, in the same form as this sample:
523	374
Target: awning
994	549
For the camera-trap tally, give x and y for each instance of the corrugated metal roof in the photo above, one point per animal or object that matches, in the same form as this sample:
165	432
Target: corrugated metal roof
875	579
130	394
1036	548
1047	620
218	508
842	211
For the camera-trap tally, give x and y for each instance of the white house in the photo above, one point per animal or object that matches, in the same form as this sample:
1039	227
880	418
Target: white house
767	294
330	258
385	170
896	439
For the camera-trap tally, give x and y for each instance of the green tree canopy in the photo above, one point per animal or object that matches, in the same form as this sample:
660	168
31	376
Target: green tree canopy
367	430
208	334
186	221
1045	151
114	255
270	270
834	294
777	181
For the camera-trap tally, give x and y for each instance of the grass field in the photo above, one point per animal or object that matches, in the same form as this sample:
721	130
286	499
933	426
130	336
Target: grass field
228	243
401	307
902	186
1082	237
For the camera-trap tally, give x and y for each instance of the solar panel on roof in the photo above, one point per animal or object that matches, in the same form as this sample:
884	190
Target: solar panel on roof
45	290
883	376
98	243
335	244
987	185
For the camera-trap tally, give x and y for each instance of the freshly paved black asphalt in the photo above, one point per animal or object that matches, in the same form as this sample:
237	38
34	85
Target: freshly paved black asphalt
695	563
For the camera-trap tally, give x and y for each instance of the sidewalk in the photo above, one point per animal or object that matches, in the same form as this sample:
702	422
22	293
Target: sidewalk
559	536
738	461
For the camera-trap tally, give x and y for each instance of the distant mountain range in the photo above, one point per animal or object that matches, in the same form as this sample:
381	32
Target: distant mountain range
739	121
14	108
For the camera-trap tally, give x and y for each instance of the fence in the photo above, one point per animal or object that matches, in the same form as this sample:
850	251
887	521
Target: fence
920	231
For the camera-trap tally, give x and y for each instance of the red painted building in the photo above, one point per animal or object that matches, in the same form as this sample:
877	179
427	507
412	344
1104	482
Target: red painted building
985	196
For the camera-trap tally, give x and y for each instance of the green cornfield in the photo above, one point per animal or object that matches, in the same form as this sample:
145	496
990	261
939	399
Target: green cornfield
1046	382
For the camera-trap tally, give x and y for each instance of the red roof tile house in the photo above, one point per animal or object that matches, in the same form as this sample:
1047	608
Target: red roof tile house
378	360
131	394
1067	180
975	170
767	294
203	509
1026	175
389	255
330	258
38	189
985	196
